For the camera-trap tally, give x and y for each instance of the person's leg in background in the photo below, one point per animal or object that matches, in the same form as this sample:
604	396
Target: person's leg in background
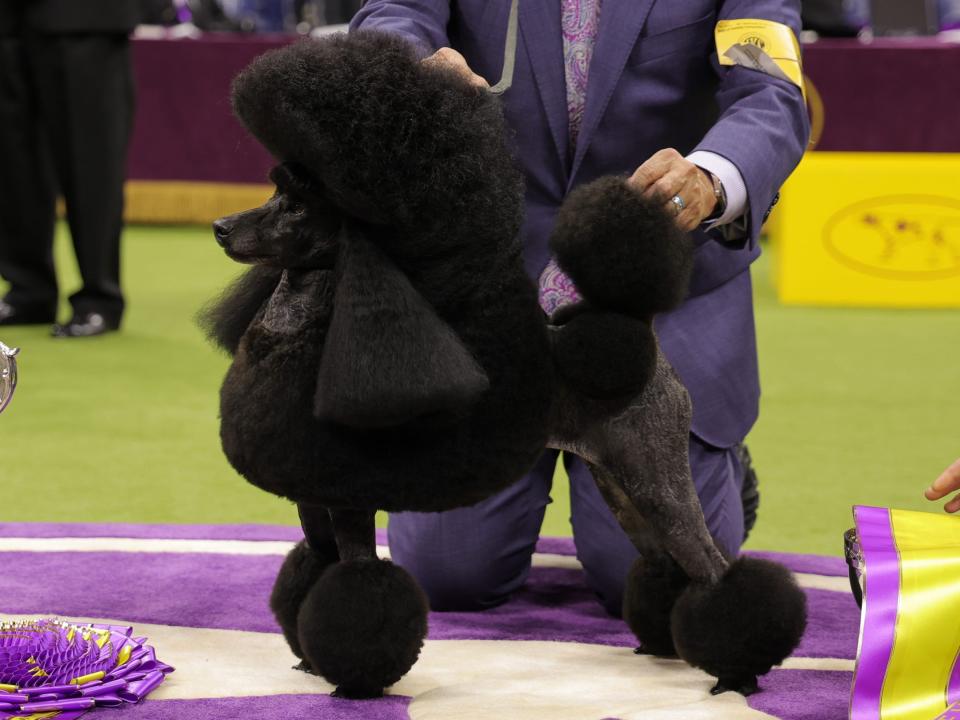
473	558
87	113
604	549
27	196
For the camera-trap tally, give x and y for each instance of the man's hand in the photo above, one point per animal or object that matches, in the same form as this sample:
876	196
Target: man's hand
668	174
450	58
948	481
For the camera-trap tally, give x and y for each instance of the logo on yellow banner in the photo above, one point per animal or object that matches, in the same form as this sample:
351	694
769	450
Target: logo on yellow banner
903	237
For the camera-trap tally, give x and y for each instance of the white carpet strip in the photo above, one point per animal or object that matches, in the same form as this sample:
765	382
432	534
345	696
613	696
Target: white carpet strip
268	547
464	679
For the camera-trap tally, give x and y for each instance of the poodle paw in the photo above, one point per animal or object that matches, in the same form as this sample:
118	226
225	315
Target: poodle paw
357	692
304	666
746	686
654	652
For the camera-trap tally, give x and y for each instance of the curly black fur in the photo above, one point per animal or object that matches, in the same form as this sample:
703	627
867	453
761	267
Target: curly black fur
225	319
652	588
301	569
623	251
387	139
390	358
362	626
605	355
408	147
744	625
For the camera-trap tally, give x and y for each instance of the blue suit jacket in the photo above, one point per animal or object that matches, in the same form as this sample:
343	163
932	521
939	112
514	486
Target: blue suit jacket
654	83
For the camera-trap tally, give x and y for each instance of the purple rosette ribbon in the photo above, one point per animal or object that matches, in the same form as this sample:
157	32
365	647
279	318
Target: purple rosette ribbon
50	666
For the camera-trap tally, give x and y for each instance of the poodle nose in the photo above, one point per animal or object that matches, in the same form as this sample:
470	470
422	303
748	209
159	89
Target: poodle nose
221	229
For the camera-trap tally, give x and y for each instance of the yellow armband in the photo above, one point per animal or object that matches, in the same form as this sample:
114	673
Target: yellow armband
762	45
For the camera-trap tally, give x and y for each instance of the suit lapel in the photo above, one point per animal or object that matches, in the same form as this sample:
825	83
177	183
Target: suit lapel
542	38
620	25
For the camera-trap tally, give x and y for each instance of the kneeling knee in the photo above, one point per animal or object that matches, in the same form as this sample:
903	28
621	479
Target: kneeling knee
452	586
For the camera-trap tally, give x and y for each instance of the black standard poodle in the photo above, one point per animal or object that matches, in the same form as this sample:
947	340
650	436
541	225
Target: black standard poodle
389	353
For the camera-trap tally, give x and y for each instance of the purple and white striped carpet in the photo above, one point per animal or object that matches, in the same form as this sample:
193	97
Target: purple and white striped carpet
200	594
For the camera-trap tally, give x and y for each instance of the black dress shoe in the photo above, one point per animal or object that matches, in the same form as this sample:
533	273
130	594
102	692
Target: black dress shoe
85	325
13	315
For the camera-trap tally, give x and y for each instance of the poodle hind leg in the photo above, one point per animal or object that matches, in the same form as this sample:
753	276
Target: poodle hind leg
734	620
655	580
300	571
362	624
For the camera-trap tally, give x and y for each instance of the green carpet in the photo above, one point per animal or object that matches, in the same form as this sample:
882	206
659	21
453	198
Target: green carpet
859	407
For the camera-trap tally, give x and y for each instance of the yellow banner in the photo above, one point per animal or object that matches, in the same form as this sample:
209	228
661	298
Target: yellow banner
763	45
870	230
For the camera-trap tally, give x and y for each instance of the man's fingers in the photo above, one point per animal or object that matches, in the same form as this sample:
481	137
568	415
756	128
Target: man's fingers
673	183
450	58
953	505
658	165
948	481
686	219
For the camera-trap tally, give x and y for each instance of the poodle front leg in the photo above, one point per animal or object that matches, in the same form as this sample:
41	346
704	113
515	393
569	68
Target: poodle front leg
363	623
301	569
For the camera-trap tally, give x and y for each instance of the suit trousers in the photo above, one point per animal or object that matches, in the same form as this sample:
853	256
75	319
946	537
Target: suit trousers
474	558
66	110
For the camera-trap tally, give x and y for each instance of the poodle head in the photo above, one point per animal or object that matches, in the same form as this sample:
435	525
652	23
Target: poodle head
297	228
408	150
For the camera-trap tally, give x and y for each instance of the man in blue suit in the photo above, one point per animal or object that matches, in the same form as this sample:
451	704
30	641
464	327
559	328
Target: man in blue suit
631	87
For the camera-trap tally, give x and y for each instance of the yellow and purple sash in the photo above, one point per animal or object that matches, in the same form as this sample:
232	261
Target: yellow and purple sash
907	658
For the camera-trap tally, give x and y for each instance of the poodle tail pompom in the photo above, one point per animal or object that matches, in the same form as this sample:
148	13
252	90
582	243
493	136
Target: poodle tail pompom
623	251
605	355
653	586
742	626
362	626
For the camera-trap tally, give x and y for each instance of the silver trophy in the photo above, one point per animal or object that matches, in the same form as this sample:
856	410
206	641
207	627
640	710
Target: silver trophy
8	374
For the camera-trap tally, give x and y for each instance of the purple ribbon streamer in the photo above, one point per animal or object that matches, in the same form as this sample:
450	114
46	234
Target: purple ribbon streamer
71	704
882	568
136	691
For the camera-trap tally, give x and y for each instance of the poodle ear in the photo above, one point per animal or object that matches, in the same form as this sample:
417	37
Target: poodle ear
388	357
226	319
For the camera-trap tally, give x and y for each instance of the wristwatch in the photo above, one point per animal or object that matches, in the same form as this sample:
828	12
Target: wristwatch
720	194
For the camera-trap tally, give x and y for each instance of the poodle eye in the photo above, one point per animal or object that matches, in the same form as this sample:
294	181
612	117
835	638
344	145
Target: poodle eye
296	208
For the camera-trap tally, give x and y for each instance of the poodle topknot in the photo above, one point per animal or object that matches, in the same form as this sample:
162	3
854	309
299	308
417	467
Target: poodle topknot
393	142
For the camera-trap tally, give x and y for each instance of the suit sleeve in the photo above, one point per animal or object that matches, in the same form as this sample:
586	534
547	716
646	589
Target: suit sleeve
763	126
423	22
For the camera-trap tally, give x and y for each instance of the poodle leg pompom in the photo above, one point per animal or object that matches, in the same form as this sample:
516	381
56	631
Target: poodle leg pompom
301	569
653	586
362	626
742	626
